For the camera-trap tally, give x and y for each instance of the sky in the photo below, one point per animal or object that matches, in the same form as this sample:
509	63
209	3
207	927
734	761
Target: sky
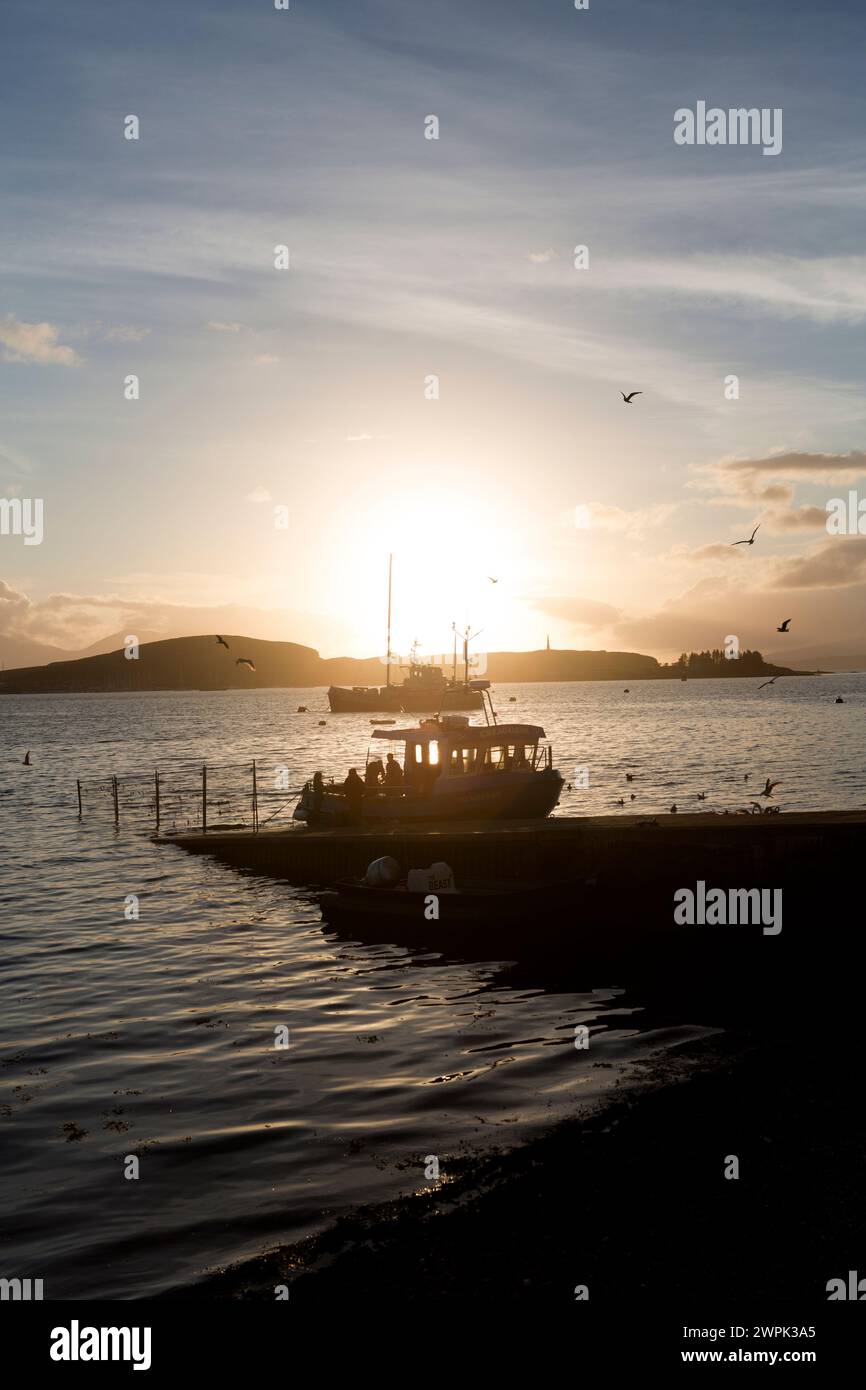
432	376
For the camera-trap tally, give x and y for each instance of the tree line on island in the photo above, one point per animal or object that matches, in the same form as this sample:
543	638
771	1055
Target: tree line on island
719	663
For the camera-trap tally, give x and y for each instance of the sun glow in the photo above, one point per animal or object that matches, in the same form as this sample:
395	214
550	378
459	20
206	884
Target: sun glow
448	547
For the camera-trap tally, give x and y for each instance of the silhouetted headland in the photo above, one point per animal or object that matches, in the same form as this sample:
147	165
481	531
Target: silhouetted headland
201	663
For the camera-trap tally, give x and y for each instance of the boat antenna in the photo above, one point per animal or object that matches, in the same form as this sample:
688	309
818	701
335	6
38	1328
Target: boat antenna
388	656
454	657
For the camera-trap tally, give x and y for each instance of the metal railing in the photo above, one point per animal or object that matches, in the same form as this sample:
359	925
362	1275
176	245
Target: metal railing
192	798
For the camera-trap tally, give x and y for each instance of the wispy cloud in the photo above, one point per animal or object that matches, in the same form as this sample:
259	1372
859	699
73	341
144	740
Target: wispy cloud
34	342
837	562
600	516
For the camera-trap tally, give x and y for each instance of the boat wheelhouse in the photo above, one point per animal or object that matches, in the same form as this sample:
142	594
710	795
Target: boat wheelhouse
451	770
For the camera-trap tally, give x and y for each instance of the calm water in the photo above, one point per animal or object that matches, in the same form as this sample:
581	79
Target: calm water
155	1037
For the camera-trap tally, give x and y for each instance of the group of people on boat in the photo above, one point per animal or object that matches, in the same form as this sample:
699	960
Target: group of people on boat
376	776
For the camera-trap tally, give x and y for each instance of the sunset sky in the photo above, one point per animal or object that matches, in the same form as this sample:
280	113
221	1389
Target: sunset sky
605	525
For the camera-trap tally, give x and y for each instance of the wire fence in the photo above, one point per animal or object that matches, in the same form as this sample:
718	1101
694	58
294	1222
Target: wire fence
200	797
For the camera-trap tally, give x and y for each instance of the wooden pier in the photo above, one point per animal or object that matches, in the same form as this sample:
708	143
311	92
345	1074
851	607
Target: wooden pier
621	858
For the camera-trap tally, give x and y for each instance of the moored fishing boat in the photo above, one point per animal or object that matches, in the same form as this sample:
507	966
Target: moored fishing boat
425	690
451	770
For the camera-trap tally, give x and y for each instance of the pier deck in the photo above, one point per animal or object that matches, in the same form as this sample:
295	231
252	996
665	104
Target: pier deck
721	849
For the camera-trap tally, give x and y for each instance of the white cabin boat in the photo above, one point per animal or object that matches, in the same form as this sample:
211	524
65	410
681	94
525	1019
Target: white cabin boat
451	770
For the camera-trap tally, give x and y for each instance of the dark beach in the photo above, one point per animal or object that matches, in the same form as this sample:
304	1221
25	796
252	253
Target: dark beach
630	1198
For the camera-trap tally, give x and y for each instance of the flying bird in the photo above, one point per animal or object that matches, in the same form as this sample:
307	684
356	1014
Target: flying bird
768	787
630	397
221	642
492	580
245	661
751	540
773	679
784	627
702	796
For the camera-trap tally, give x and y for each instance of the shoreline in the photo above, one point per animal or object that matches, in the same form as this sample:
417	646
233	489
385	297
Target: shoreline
630	1200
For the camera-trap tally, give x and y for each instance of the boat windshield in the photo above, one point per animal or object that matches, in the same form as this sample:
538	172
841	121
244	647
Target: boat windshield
505	757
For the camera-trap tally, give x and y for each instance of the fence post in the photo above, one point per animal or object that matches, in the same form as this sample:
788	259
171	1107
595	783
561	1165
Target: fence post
78	785
114	794
204	799
156	794
255	799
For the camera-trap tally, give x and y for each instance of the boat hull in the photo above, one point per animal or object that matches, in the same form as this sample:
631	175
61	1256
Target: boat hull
515	796
371	700
396	699
473	903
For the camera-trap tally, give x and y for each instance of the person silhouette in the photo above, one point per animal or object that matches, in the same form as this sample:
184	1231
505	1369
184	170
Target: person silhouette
353	790
393	772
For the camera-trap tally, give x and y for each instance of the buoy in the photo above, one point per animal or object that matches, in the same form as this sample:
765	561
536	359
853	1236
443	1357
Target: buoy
382	873
302	709
838	700
322	722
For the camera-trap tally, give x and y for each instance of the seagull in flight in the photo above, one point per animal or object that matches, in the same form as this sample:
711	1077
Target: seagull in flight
221	642
768	787
245	661
772	680
630	397
784	627
751	540
492	580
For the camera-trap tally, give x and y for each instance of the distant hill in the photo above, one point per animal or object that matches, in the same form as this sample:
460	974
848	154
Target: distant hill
21	651
824	658
200	663
570	666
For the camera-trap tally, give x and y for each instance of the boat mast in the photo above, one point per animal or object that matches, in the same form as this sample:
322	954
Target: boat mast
388	658
467	637
454	658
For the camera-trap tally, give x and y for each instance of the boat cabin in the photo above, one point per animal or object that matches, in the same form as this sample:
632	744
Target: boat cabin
451	747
